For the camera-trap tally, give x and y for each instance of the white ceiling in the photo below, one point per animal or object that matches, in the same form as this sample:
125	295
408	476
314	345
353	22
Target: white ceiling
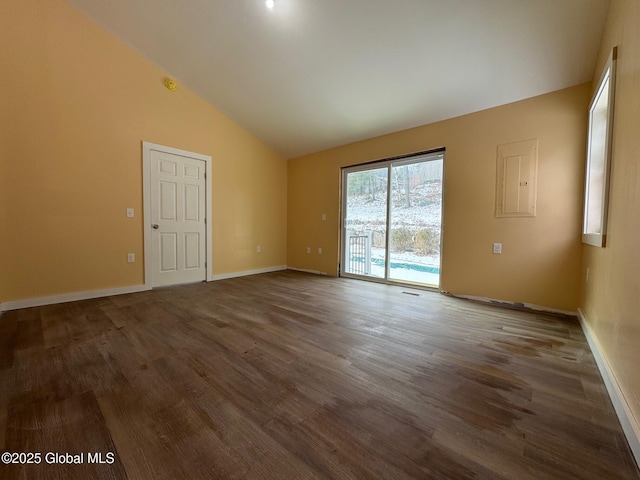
314	74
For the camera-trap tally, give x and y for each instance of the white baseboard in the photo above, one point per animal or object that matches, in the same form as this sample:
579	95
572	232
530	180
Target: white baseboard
224	276
521	306
625	415
70	297
304	270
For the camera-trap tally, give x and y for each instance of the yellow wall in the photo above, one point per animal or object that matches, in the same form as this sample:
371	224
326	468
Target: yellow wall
76	104
541	256
611	299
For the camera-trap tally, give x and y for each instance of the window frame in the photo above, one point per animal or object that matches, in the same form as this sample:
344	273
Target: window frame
597	176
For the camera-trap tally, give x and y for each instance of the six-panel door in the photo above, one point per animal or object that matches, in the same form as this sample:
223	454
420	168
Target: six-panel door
178	219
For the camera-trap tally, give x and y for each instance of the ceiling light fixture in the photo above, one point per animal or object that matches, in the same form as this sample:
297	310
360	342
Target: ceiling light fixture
270	4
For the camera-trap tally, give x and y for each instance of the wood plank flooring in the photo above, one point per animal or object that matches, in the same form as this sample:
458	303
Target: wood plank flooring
295	376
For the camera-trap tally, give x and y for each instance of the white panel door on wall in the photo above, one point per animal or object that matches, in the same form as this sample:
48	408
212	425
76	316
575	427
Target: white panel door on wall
178	210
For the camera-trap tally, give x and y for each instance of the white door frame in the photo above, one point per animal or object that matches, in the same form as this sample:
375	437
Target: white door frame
147	148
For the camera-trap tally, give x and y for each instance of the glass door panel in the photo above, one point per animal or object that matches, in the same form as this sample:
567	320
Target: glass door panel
365	222
414	222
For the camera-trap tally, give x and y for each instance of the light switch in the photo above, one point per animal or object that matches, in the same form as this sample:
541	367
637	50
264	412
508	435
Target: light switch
129	212
497	248
324	217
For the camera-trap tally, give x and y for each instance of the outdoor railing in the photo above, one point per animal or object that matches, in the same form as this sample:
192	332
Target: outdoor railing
359	254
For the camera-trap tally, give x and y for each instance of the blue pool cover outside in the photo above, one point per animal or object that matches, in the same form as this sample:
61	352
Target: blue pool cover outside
408	266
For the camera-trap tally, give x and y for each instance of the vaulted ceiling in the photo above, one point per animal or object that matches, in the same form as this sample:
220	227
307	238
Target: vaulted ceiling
309	75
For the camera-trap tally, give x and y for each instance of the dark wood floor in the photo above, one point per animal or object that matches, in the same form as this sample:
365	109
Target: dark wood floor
288	375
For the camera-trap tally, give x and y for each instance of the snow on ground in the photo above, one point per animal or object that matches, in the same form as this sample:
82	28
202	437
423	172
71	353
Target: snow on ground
367	215
425	209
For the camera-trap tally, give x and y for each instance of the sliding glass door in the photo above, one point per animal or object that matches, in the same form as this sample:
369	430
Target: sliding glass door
365	222
392	220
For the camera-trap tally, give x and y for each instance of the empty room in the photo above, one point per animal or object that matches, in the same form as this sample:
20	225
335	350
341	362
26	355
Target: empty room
320	240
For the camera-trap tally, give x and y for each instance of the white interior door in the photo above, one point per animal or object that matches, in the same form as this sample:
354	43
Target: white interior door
178	219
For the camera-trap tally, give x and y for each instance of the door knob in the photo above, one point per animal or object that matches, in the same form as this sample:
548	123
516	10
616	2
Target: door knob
155	226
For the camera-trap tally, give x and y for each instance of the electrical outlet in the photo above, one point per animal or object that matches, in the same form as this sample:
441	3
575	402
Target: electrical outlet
131	257
497	248
258	249
324	217
319	250
308	249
